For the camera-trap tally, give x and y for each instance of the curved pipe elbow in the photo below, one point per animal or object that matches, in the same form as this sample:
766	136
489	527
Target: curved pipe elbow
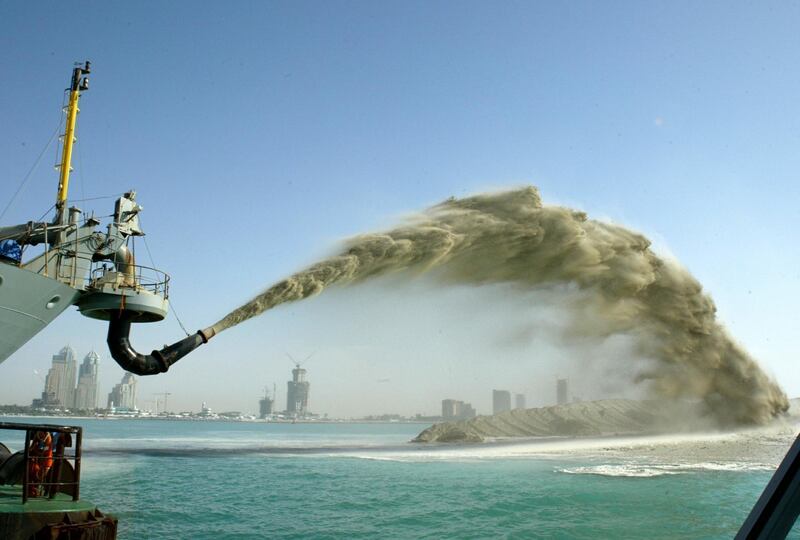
156	362
124	262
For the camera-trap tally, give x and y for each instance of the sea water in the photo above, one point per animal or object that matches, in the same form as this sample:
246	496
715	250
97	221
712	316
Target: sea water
212	479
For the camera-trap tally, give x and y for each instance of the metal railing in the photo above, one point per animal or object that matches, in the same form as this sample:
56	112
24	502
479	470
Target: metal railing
70	266
43	469
142	278
103	273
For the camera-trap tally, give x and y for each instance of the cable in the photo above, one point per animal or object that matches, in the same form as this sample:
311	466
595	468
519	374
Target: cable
38	159
171	303
46	212
80	171
172	308
30	172
114	196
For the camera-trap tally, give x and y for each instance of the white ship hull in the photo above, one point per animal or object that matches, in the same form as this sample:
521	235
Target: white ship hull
28	302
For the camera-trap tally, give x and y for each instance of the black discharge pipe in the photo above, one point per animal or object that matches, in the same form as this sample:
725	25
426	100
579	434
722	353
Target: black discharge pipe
156	362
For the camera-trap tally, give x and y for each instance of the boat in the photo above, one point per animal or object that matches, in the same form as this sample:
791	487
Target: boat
74	260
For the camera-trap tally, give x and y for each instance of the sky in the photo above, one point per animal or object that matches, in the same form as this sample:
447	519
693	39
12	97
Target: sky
258	135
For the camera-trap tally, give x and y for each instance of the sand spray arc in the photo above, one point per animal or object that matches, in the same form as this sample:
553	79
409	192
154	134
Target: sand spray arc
511	237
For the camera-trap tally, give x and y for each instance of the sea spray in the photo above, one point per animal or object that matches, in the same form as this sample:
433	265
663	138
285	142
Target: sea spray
510	237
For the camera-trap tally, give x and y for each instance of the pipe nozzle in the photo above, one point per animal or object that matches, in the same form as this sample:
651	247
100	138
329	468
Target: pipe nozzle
207	333
158	361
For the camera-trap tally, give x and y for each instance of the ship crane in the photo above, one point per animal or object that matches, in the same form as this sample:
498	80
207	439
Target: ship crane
74	269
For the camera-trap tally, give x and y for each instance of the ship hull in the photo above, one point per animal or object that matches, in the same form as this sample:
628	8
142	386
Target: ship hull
28	302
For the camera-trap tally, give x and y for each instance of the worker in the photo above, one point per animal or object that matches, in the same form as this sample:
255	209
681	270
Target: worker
40	455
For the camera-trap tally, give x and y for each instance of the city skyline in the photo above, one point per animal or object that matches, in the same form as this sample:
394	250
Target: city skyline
123	394
68	388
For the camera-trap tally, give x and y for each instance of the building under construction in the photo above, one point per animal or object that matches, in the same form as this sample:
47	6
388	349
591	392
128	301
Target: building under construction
297	393
265	405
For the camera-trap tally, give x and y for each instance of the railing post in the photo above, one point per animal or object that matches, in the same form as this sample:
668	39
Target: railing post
25	477
78	442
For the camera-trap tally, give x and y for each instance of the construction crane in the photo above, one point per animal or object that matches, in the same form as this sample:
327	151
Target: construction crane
303	361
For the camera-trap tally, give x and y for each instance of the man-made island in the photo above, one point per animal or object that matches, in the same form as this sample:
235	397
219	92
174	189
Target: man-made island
584	419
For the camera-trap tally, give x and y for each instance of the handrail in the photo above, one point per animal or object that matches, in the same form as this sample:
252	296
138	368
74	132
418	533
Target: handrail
49	481
145	277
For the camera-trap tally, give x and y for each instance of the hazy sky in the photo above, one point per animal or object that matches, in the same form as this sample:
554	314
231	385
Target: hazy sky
258	134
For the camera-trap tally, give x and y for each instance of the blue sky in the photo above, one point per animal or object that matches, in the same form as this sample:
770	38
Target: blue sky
258	134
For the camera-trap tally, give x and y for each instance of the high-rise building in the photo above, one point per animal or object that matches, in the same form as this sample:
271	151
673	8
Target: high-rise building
265	405
501	401
519	401
450	408
453	409
561	391
123	396
467	411
59	386
297	393
86	391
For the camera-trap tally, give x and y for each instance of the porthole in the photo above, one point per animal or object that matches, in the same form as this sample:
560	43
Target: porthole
53	301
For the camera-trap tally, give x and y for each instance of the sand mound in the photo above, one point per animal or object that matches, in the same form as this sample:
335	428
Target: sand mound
592	418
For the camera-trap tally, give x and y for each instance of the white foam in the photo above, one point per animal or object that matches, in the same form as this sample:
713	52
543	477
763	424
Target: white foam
640	470
633	471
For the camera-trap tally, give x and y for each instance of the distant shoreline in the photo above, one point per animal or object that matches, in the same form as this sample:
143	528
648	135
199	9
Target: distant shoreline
231	420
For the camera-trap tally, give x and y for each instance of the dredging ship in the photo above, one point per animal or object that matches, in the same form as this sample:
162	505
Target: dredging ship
78	262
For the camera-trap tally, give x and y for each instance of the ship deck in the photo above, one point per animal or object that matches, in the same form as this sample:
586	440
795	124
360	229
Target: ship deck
11	503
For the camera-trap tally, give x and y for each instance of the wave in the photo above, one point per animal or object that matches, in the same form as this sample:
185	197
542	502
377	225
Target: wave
631	456
639	470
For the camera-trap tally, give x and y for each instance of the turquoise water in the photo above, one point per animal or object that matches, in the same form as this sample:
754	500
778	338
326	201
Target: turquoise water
172	479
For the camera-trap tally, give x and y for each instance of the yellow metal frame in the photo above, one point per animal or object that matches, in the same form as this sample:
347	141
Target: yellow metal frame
79	82
66	154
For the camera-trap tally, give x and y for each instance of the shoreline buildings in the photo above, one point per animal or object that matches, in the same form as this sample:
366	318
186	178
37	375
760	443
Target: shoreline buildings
265	405
501	401
519	401
60	388
123	396
453	409
86	391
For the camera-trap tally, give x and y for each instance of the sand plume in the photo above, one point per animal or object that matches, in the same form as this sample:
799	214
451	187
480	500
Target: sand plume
510	237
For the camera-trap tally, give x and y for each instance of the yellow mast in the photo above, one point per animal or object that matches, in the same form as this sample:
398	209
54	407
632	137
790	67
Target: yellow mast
79	83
